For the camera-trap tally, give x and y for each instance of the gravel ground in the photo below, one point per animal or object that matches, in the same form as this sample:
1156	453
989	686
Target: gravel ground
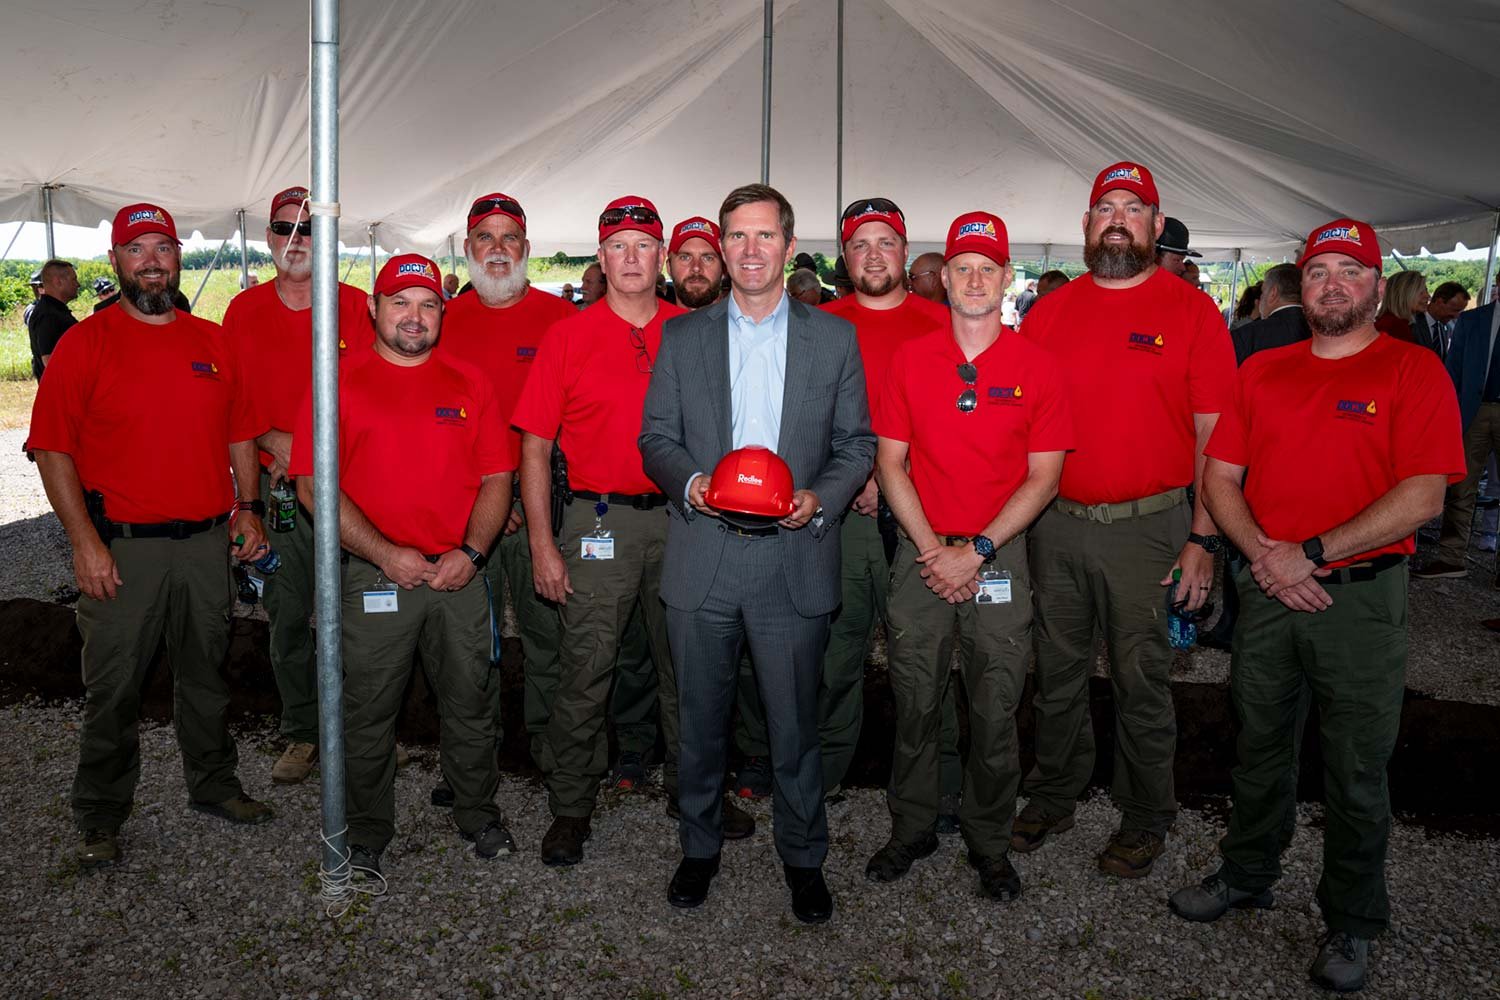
200	909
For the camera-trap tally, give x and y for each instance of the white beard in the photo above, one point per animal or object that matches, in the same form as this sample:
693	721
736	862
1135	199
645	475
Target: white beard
498	289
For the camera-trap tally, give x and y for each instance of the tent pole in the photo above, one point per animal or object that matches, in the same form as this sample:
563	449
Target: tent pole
244	254
452	256
373	265
1399	262
1489	268
204	283
838	165
1046	257
1234	286
765	97
324	209
47	215
13	237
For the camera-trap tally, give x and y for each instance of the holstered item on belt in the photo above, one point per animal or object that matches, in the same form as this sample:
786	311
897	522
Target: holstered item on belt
93	503
885	522
1108	513
561	494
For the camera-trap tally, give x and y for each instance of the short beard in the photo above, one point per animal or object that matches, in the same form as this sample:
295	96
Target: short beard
408	348
1358	314
874	287
972	312
150	303
697	300
504	289
300	271
1116	262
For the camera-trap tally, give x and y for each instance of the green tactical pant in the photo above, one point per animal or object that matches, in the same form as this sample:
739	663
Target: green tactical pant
452	630
634	703
288	599
180	590
1353	656
994	642
1481	437
1090	576
575	751
540	631
866	579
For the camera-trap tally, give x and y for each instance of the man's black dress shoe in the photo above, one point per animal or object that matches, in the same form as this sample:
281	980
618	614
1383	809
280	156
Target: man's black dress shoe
810	899
689	886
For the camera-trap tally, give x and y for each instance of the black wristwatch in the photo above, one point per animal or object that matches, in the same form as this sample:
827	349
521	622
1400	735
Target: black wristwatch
256	507
475	556
1313	549
1210	543
985	548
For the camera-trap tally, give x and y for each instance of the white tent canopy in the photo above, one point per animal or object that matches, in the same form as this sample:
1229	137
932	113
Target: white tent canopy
1258	121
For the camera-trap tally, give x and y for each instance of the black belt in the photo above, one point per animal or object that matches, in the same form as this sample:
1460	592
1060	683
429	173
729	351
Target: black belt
176	530
769	531
640	501
1362	572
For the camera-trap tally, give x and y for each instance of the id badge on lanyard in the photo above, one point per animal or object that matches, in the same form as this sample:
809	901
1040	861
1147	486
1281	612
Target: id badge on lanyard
994	587
599	544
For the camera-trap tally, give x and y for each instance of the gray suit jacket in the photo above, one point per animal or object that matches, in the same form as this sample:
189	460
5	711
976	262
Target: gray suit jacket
825	439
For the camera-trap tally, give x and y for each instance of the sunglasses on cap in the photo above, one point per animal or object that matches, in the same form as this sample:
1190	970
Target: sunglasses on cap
506	205
635	213
284	228
968	400
866	206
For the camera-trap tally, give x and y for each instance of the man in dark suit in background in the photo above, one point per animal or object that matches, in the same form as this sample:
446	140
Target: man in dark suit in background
755	368
1281	321
1433	327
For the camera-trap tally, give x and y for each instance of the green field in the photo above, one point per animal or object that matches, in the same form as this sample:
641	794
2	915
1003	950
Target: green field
15	350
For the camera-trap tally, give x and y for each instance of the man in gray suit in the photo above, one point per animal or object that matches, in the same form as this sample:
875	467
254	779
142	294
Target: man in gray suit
755	368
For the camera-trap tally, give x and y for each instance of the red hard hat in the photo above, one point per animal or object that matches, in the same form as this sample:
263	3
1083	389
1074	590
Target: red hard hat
752	481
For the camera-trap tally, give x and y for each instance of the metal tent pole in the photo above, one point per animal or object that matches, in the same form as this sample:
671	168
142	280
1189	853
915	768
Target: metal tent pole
1489	268
838	170
47	215
1234	286
765	97
1046	257
452	255
374	264
244	254
324	156
13	237
210	273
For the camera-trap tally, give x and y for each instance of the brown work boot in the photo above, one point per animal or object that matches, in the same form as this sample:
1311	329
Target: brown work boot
240	809
563	842
294	764
1034	825
97	849
1131	853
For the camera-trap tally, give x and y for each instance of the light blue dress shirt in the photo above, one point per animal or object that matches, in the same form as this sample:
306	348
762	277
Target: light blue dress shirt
757	375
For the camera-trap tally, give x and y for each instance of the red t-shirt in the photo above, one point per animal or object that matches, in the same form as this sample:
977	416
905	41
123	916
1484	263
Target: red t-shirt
1322	439
413	445
965	466
881	331
1138	363
148	413
502	342
587	391
277	343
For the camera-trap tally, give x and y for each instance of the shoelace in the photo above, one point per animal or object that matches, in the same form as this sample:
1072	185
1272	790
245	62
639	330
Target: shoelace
1343	943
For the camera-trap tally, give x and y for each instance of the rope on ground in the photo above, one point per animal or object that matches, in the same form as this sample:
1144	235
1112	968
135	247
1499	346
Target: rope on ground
337	888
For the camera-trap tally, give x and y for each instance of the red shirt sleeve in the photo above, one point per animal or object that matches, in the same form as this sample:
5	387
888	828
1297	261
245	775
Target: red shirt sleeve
1228	442
892	417
1428	436
1211	362
1052	424
62	396
302	438
539	410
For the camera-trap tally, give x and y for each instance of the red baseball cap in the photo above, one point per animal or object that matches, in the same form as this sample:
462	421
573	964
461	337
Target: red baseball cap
409	270
134	221
1346	236
978	232
871	210
496	204
1131	176
291	196
695	228
629	212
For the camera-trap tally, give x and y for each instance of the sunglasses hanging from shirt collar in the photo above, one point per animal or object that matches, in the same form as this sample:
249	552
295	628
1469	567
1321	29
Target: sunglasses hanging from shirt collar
968	400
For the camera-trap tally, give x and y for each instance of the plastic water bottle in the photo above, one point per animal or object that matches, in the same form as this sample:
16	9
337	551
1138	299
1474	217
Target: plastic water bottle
1182	631
268	563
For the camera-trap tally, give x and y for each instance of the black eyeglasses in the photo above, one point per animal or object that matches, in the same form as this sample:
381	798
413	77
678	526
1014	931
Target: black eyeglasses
865	206
505	205
968	400
642	355
635	213
303	228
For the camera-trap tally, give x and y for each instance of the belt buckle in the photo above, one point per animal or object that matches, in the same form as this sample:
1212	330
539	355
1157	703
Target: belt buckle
1100	512
179	531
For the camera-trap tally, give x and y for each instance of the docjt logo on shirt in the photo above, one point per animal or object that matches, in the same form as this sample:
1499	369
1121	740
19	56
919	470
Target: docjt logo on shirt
525	355
1151	343
453	416
1005	395
205	369
1363	411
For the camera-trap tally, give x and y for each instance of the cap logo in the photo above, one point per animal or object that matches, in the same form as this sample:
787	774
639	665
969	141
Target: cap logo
146	215
1348	234
749	479
296	194
416	267
694	227
1132	174
985	228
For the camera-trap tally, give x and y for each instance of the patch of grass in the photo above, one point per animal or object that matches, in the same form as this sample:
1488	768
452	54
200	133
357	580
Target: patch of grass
683	979
65	874
572	914
481	988
957	987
